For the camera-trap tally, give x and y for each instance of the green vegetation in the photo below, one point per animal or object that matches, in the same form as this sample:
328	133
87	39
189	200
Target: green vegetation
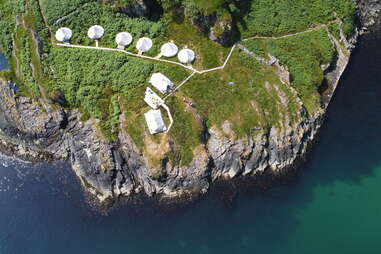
274	17
56	9
186	132
25	70
7	22
105	85
240	95
209	54
304	55
212	5
92	80
113	23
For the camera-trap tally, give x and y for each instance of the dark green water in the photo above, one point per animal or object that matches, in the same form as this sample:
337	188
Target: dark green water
332	206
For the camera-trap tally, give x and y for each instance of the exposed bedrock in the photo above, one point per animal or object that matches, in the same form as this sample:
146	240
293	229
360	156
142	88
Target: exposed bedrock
369	12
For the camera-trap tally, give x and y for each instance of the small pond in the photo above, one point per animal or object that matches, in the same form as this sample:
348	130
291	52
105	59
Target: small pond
3	62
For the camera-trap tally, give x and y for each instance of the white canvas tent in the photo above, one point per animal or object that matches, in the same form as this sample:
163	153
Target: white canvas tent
155	121
144	44
123	39
95	32
169	49
186	56
161	82
64	34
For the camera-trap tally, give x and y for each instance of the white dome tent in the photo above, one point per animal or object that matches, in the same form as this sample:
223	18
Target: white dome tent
155	121
169	49
144	44
95	33
64	34
123	39
186	56
161	83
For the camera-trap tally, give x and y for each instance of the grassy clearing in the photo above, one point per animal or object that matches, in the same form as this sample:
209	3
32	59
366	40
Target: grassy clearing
209	54
274	17
186	132
246	102
26	55
304	55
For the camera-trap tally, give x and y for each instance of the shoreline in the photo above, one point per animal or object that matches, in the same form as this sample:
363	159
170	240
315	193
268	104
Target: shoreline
266	177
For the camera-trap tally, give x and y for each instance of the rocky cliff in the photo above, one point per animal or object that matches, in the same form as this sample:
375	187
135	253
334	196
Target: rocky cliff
37	130
369	12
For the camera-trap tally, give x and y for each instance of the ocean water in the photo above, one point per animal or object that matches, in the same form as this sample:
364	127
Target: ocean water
331	206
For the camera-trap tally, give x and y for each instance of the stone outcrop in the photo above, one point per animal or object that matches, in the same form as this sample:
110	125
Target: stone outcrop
369	12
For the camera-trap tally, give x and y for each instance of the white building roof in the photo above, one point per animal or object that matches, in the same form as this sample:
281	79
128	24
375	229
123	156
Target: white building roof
95	32
123	39
64	34
155	121
161	82
144	44
186	56
152	99
169	49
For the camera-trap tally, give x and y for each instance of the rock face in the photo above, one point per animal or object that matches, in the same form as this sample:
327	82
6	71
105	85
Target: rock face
37	130
369	12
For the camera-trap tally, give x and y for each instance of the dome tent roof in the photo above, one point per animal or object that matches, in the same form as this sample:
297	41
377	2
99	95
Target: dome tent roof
144	44
95	32
64	34
169	49
186	56
161	82
123	39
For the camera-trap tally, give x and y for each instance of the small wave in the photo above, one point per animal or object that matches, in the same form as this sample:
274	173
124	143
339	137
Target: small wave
11	161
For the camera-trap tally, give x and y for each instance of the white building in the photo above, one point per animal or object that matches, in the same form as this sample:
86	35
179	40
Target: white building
155	121
161	82
186	56
144	44
169	49
64	34
95	32
123	39
152	99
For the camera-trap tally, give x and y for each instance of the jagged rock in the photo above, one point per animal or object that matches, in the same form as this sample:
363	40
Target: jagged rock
369	12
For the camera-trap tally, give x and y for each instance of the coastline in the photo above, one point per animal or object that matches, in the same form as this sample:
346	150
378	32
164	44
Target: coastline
106	186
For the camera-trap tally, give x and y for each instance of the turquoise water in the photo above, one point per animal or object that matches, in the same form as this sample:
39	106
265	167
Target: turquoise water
332	205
